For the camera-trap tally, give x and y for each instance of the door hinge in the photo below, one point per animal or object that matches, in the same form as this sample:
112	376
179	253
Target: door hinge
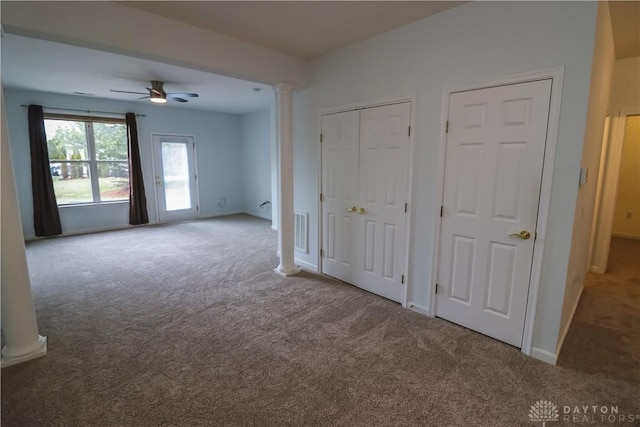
321	253
321	197
402	279
436	288
441	210
409	133
321	138
405	208
446	129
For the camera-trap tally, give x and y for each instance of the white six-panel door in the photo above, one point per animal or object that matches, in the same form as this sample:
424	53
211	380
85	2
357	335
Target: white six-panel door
365	163
493	169
340	142
382	194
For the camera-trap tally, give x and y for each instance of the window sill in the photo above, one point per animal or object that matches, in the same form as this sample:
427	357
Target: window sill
82	205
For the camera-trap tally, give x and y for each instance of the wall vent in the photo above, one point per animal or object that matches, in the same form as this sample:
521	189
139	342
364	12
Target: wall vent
301	232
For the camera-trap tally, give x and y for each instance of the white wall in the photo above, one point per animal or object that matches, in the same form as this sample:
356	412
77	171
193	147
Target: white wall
599	94
217	143
474	43
255	138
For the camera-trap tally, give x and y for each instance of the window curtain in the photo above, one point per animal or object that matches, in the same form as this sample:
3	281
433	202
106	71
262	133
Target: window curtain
46	218
137	199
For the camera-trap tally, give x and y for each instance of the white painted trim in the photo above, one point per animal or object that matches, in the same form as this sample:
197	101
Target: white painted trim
569	321
274	228
408	223
609	192
544	355
306	265
419	308
127	226
626	236
556	75
602	165
411	99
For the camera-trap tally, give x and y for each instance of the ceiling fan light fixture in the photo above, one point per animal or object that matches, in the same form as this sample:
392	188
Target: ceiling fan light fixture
158	99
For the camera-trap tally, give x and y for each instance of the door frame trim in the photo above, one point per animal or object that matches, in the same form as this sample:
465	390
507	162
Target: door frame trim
608	187
556	76
358	106
154	167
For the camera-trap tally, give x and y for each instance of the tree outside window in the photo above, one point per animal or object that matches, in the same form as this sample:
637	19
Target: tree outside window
88	159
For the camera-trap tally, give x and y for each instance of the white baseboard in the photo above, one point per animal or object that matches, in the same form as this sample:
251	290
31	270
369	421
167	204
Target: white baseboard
306	265
418	308
547	356
544	355
87	231
626	236
257	215
569	321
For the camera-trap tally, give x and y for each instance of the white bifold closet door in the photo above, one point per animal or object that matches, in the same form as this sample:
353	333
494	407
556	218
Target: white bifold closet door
365	166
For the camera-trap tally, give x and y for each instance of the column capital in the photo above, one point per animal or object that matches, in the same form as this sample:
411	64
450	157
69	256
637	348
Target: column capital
285	88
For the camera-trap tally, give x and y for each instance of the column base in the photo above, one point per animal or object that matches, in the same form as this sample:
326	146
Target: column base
10	358
286	272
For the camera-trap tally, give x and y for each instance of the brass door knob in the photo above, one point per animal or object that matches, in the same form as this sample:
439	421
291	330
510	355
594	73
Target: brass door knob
524	235
352	209
362	211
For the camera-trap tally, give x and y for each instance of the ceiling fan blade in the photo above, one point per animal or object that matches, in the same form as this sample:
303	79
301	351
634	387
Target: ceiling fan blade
128	91
154	91
175	98
144	97
182	95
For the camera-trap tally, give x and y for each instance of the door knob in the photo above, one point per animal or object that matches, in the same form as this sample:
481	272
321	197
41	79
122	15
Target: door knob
524	235
352	209
362	211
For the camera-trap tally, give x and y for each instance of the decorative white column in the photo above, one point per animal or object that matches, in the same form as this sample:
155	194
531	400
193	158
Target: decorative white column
19	323
284	109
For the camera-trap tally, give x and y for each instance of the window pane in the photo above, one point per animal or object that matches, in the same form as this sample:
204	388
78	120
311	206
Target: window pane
175	170
71	182
111	141
66	140
114	180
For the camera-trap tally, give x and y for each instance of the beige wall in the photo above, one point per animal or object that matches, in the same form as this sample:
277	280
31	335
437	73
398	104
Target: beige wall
599	96
625	91
626	220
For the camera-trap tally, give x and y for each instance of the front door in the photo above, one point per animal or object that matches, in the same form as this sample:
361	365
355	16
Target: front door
175	179
493	170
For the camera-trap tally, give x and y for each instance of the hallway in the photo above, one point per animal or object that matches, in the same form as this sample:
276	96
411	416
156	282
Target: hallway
605	335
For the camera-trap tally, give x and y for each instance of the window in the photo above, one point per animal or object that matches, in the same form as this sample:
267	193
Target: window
88	158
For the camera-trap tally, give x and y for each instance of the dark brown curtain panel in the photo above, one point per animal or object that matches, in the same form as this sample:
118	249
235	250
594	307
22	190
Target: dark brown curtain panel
137	199
46	218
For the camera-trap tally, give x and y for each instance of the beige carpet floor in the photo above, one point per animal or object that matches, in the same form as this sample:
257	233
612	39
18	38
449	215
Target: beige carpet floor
187	325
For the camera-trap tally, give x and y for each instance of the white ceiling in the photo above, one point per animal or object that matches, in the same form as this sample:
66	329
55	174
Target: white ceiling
59	68
304	29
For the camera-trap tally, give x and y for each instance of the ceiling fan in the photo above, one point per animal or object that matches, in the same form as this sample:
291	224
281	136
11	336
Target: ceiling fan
158	95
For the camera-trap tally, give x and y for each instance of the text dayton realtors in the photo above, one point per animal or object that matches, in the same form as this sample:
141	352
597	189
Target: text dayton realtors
596	414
